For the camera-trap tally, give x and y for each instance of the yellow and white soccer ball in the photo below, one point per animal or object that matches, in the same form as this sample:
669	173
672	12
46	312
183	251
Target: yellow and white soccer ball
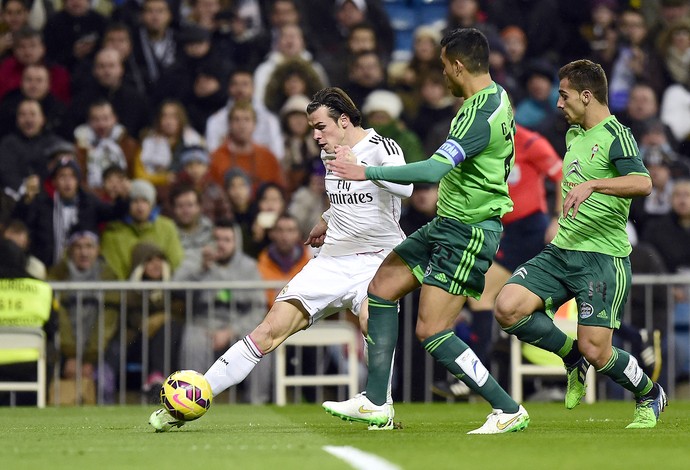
186	395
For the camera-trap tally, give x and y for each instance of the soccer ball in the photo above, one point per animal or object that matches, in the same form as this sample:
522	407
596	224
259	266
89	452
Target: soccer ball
186	395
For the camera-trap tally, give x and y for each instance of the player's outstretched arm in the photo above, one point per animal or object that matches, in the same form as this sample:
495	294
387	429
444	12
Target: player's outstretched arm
430	170
317	235
621	186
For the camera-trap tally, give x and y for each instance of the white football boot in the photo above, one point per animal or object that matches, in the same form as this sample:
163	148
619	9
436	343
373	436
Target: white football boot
499	422
361	410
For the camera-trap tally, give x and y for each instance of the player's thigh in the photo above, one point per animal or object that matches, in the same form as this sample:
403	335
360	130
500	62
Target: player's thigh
394	277
601	286
495	278
438	310
541	282
460	257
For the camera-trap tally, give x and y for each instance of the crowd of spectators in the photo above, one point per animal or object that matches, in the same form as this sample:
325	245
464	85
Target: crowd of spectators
140	130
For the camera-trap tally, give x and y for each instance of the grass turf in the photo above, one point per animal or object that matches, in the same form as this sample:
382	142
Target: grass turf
293	437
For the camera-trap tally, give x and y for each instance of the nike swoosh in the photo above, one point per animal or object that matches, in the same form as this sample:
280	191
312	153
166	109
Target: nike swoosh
501	426
364	410
176	399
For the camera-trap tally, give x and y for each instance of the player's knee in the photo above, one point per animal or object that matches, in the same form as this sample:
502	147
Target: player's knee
424	330
507	310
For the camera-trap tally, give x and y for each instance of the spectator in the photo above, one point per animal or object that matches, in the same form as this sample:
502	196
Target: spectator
301	150
238	187
213	200
22	152
156	49
50	217
406	77
143	224
381	111
675	48
29	49
436	106
203	14
636	61
241	151
18	232
270	203
290	45
675	113
539	106
35	85
116	36
285	256
670	234
13	17
290	78
194	229
129	105
642	109
73	33
366	73
79	314
225	315
468	14
103	142
515	43
361	38
232	41
115	184
163	144
147	316
241	88
206	95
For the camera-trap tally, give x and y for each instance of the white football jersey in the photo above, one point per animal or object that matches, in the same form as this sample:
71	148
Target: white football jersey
364	215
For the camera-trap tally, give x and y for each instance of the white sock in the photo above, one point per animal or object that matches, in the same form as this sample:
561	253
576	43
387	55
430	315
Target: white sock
233	366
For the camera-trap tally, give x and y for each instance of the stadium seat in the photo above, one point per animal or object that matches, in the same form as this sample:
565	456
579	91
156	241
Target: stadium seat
548	363
325	333
27	338
431	13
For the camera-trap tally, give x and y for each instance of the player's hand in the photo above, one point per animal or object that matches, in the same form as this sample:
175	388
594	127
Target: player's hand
575	197
346	170
344	153
317	235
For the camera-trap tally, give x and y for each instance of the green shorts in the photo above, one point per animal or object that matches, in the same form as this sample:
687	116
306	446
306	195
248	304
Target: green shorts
451	255
599	283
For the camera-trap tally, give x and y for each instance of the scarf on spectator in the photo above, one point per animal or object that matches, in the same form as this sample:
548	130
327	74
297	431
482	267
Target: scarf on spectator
100	153
158	55
65	216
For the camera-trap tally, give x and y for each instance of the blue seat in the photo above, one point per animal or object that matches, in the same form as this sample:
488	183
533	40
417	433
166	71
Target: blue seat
402	17
431	13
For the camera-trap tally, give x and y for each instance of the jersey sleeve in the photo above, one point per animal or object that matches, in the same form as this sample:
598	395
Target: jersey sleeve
390	154
546	159
625	155
467	138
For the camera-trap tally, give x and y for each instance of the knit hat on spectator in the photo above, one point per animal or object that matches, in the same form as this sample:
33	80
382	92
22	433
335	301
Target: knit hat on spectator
383	100
66	162
360	4
192	34
294	104
142	189
60	147
194	154
237	172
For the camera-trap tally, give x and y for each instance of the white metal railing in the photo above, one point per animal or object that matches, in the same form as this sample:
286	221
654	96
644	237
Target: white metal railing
413	365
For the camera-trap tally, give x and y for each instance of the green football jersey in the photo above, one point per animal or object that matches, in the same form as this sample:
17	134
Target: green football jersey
607	150
480	148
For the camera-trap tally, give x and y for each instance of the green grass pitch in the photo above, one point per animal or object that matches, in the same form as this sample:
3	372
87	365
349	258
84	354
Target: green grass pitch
269	437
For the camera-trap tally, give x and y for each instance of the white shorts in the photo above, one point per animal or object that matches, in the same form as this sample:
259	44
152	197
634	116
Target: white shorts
329	284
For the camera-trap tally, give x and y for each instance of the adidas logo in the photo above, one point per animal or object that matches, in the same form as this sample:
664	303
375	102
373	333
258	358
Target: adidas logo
441	277
602	315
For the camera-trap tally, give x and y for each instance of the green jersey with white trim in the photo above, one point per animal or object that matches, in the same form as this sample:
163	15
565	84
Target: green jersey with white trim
480	147
607	150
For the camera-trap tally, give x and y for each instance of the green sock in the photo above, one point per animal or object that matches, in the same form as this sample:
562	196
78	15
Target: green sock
383	336
625	371
538	329
463	363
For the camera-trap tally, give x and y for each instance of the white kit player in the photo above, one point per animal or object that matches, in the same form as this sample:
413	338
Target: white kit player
355	234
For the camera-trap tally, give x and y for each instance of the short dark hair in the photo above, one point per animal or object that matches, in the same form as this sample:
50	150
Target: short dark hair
224	223
337	102
584	75
469	46
180	189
